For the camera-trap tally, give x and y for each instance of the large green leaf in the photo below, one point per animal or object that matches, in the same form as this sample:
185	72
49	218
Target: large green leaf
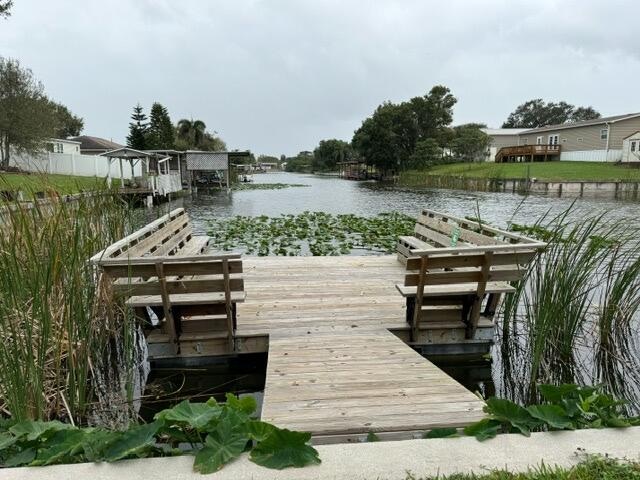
506	411
196	415
222	445
33	430
284	448
6	440
23	457
132	442
61	447
483	430
246	404
95	445
258	430
553	415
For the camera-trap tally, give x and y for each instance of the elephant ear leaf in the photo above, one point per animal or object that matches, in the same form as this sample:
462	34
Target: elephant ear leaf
132	442
506	411
483	430
196	415
65	444
224	444
284	448
246	404
33	430
553	415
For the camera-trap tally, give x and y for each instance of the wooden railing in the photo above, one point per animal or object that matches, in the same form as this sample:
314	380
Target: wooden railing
528	150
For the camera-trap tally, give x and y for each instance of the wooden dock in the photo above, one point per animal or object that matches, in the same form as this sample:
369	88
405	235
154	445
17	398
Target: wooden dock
335	369
340	331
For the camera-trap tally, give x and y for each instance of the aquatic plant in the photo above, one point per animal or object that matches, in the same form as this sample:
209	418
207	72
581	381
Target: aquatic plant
310	233
53	332
215	433
574	317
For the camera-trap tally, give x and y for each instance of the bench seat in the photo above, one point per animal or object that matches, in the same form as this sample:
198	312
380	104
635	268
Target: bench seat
455	289
181	299
163	270
456	271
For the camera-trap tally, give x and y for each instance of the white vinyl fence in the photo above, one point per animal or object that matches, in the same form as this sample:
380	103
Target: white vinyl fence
72	164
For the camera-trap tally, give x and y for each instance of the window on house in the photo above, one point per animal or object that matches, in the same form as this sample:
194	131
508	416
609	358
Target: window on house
633	146
539	141
604	133
580	139
553	139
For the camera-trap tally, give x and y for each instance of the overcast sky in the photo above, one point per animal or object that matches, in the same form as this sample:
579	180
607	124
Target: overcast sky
277	76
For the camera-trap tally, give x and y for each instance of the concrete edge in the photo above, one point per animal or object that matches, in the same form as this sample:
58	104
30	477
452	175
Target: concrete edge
379	460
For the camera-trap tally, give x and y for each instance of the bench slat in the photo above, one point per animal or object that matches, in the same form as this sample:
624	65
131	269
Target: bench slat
464	276
454	289
184	299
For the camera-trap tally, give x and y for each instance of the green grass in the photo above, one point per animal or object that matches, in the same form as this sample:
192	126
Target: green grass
593	468
543	171
61	184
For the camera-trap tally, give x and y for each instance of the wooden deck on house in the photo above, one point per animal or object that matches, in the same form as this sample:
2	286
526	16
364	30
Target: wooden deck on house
334	367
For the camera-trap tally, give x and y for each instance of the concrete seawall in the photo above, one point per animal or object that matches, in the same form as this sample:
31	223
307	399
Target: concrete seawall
610	189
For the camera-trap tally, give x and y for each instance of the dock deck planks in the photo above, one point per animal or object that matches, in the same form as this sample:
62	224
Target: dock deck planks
334	367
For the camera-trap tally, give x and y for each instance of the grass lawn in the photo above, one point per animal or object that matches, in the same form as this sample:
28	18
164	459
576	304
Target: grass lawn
543	171
595	468
62	184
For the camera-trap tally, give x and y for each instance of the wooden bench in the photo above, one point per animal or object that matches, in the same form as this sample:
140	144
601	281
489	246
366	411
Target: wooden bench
439	230
456	290
160	271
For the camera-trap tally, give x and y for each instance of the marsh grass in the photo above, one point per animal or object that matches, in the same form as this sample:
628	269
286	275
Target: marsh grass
53	330
574	317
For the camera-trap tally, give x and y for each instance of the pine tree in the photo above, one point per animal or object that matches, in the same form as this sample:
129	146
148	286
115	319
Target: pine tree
137	137
161	133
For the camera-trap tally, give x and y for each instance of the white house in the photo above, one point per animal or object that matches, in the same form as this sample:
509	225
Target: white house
60	145
631	148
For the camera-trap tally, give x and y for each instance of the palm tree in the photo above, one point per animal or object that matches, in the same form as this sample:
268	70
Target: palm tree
192	131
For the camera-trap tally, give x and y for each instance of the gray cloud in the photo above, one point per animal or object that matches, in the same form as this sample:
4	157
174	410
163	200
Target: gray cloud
276	76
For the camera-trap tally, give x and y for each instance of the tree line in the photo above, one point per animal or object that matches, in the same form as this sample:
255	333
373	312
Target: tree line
28	117
417	134
157	132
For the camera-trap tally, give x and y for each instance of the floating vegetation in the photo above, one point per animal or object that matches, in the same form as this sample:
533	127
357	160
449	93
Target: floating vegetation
266	186
310	233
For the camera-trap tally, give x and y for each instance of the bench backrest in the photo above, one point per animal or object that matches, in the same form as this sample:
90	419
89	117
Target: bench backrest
162	237
166	276
459	277
439	229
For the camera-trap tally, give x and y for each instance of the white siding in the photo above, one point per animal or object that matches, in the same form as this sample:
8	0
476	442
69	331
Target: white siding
591	156
627	154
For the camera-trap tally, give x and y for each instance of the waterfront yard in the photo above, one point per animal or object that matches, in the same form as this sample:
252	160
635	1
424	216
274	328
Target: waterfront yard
61	184
542	171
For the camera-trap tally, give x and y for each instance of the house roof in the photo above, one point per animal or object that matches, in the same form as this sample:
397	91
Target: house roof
64	140
632	135
126	152
503	131
95	143
584	123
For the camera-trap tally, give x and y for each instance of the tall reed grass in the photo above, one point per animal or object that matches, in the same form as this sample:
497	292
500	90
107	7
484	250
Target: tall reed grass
575	317
53	330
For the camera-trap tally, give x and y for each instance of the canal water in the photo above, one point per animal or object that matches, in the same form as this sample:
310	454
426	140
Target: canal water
337	196
334	195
